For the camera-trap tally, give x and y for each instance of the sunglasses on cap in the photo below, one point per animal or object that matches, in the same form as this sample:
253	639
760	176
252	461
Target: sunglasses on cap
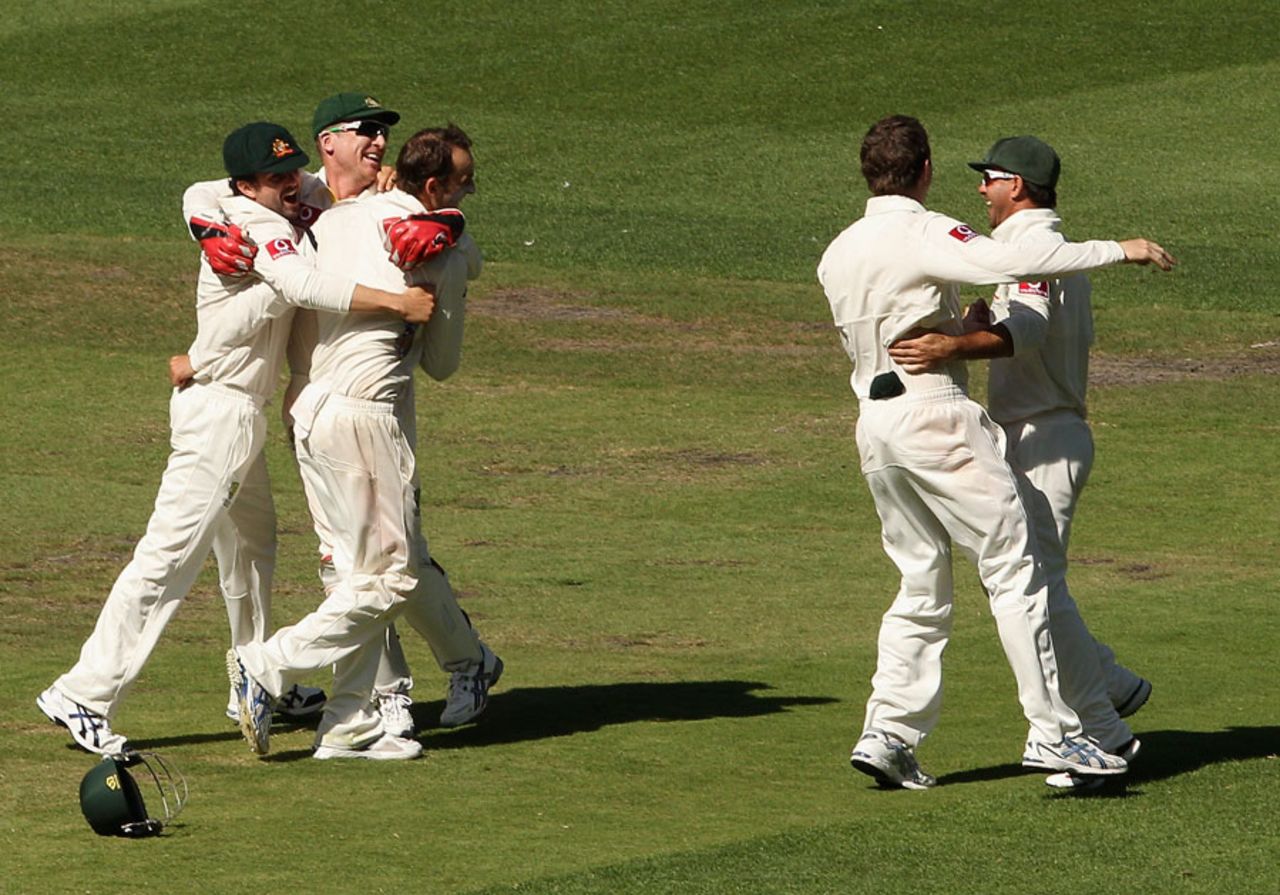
366	128
993	174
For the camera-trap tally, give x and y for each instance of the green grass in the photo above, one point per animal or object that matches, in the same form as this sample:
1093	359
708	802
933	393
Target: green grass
643	479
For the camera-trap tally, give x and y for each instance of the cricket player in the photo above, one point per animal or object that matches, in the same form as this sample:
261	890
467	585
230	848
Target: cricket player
355	449
215	488
350	132
1037	334
933	459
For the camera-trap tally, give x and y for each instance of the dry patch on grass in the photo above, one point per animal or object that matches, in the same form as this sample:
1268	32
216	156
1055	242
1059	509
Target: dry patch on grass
88	559
633	331
535	304
1260	359
1134	571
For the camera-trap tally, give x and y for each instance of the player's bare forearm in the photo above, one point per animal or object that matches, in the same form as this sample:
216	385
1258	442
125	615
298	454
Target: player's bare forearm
932	351
415	304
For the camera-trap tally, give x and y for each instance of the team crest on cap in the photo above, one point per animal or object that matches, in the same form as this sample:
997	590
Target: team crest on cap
371	103
1039	288
964	233
280	149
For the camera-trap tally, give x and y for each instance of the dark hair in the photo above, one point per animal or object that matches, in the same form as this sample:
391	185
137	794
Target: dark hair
427	154
1041	196
893	154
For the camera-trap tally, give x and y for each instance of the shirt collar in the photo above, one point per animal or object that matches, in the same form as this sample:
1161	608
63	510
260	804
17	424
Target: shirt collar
1020	223
884	204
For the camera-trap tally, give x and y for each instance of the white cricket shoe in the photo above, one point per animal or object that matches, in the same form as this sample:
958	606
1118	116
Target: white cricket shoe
385	748
90	730
254	704
1135	700
1083	783
890	761
468	692
1077	755
394	709
299	701
1076	783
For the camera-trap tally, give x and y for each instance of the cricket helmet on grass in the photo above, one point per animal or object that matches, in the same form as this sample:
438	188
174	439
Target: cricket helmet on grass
112	801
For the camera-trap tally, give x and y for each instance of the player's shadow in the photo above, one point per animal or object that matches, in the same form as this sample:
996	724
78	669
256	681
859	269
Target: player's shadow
1165	754
230	733
534	713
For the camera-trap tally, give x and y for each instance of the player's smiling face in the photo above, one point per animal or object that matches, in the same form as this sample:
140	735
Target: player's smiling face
996	189
359	151
278	192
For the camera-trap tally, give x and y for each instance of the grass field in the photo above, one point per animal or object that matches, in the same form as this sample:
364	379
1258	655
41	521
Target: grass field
643	479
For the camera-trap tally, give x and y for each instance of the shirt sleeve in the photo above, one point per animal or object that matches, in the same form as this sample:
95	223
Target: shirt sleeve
204	199
954	252
442	334
467	247
234	323
281	265
303	336
1027	307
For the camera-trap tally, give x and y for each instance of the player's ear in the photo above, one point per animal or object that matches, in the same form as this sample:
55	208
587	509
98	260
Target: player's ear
432	187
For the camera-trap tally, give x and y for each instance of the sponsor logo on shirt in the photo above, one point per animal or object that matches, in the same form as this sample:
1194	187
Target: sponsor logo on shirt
964	233
307	214
1039	288
278	248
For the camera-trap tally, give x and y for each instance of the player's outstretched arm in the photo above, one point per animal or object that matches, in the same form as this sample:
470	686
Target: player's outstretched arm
1144	251
415	304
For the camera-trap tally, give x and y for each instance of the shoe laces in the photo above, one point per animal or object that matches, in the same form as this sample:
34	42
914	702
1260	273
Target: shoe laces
395	703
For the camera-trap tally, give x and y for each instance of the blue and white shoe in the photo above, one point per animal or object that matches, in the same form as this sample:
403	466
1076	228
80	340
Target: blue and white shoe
299	701
1086	783
90	730
890	761
468	693
254	704
1076	755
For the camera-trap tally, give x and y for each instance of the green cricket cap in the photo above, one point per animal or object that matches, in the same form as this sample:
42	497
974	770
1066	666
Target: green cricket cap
350	107
1030	158
261	147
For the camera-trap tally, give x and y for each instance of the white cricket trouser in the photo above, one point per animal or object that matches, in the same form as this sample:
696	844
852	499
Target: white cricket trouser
214	493
359	465
934	462
434	613
1054	451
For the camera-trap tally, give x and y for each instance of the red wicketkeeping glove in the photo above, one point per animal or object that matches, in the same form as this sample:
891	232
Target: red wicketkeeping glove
411	240
229	251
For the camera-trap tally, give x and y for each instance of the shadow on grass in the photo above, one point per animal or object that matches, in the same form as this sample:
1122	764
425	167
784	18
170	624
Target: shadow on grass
1165	754
539	713
232	732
